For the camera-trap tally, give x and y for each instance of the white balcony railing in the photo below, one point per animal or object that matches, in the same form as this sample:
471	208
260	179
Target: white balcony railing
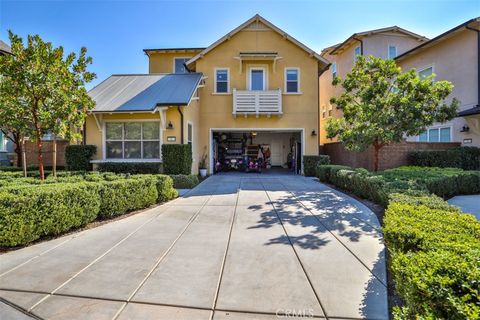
257	102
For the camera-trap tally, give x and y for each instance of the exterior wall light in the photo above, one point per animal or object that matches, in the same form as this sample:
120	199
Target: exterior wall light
169	125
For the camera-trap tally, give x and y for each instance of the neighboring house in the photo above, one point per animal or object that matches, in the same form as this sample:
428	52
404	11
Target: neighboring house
255	87
385	43
452	56
6	145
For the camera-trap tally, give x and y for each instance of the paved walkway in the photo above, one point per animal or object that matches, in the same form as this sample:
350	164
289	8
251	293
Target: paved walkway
242	246
468	204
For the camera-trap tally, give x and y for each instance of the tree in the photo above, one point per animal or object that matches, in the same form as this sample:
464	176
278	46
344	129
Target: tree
381	105
45	89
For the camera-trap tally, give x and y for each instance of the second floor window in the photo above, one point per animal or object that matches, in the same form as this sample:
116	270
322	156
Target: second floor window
392	52
334	70
221	81
292	80
357	52
180	65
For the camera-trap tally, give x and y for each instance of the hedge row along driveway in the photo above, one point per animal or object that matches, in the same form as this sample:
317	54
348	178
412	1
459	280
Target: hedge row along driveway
237	246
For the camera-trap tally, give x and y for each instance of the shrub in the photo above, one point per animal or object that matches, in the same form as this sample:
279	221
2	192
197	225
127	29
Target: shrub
130	167
310	164
78	157
324	172
10	168
467	158
434	258
177	158
165	188
28	213
182	181
123	195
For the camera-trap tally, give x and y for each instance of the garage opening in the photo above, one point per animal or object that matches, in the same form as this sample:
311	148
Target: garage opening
263	151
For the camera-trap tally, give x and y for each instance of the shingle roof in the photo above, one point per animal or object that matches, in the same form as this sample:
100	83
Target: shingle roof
4	47
469	112
134	92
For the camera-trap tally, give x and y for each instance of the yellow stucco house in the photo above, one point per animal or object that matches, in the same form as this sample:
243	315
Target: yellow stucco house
255	89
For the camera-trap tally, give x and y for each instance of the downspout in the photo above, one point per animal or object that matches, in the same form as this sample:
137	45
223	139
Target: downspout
181	124
478	63
361	45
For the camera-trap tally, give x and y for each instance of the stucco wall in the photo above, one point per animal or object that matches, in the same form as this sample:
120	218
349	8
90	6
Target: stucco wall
376	45
454	59
163	62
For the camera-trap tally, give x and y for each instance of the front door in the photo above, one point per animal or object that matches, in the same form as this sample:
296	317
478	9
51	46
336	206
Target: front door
257	79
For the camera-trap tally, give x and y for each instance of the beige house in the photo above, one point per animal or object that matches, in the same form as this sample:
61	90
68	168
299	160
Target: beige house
452	56
385	43
248	99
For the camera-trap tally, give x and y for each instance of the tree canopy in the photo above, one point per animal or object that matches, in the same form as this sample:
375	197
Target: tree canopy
381	105
42	90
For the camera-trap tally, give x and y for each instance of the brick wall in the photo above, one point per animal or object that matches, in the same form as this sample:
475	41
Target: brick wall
32	154
390	156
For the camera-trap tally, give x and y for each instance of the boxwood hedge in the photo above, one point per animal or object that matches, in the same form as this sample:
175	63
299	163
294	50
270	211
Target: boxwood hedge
310	163
30	209
183	181
435	258
177	158
78	157
467	158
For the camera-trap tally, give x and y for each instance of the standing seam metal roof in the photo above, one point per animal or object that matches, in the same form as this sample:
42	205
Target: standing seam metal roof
127	93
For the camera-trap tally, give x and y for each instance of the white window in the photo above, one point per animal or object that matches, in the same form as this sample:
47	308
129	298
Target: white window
357	52
425	72
324	112
222	78
132	140
292	80
190	133
392	52
179	65
330	110
257	79
440	134
334	70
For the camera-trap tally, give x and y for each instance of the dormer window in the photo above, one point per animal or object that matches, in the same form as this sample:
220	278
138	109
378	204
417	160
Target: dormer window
179	65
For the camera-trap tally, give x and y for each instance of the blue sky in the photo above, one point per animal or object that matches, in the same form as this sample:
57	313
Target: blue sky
115	32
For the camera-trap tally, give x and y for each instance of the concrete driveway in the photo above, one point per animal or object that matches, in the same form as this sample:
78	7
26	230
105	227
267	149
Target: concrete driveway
239	246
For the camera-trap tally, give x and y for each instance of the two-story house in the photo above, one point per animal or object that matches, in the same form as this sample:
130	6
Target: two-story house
453	56
249	99
6	146
385	43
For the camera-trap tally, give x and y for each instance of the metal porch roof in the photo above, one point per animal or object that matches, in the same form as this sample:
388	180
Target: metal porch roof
136	92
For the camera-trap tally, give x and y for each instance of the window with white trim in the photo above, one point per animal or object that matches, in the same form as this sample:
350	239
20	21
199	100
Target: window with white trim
179	64
422	74
190	134
357	52
334	70
221	81
132	140
440	134
392	52
330	110
292	80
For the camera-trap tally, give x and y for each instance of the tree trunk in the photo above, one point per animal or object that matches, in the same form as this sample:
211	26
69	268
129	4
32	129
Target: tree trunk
40	159
54	160
376	146
24	158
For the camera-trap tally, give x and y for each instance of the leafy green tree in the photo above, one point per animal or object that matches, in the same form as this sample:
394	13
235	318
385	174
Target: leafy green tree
46	89
381	105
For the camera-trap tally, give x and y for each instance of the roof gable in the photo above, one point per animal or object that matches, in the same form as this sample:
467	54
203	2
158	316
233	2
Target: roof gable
394	29
258	23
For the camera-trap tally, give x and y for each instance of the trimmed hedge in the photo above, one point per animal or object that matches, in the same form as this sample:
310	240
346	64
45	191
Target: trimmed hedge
78	157
378	187
32	212
182	181
131	167
177	158
30	209
435	258
310	164
467	158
